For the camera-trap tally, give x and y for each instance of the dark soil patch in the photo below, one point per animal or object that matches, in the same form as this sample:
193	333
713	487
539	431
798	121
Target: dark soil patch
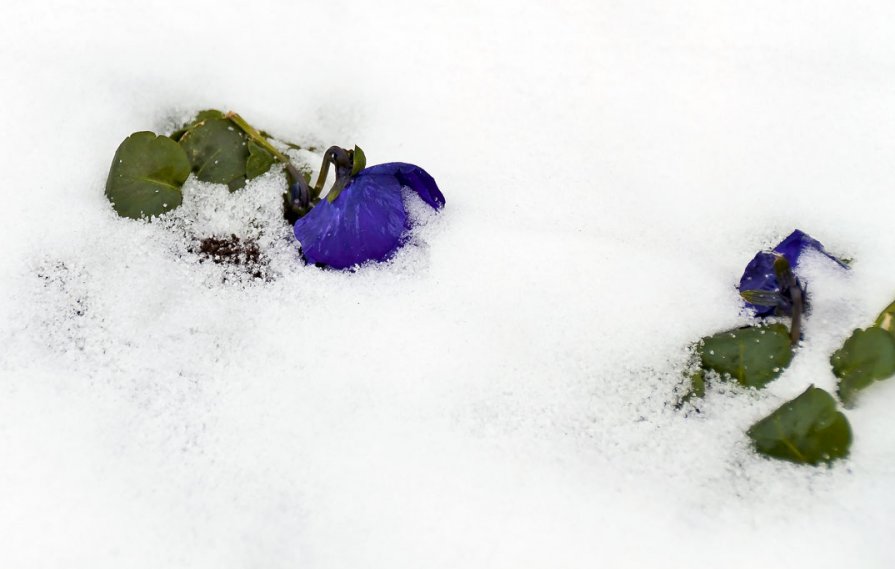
234	251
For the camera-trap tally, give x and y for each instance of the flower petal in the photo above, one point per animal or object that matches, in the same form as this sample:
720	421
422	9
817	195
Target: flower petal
365	222
760	275
797	243
411	176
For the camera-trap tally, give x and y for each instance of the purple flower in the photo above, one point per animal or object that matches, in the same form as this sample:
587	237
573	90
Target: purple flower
364	217
760	283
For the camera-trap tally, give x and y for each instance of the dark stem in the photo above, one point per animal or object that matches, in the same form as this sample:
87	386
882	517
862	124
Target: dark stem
789	286
795	329
321	177
343	160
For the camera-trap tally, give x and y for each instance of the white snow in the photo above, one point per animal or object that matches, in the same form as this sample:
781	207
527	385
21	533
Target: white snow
498	394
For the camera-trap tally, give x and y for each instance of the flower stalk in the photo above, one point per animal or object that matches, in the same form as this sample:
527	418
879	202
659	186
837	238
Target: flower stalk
790	288
300	192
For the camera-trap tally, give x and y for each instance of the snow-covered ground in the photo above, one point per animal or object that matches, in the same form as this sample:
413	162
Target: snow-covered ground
498	395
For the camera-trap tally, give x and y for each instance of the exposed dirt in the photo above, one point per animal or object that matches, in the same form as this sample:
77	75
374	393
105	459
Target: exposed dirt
234	251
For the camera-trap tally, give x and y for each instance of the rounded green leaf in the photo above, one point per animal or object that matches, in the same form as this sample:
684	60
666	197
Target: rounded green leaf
866	356
217	150
807	430
200	117
753	356
146	176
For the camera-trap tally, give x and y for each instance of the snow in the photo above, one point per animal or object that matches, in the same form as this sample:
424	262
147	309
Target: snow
498	394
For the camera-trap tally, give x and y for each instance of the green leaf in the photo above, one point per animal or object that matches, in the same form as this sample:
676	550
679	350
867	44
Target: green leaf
886	319
695	379
217	151
753	356
360	160
146	175
806	430
208	114
866	356
259	160
201	117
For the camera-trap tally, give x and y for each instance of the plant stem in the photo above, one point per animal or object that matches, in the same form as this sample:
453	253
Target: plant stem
253	133
339	157
321	178
789	286
795	330
342	160
303	190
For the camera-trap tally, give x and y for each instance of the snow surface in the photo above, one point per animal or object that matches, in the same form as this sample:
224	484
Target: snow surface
498	394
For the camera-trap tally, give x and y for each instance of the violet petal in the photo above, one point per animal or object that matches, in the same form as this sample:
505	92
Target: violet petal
760	275
365	222
411	176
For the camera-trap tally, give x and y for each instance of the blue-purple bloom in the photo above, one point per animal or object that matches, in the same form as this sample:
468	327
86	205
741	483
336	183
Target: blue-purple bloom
761	277
368	219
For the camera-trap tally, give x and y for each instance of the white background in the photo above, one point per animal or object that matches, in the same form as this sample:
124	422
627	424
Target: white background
497	396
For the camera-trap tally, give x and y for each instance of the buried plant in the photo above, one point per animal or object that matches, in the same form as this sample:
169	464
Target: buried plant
362	218
808	429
